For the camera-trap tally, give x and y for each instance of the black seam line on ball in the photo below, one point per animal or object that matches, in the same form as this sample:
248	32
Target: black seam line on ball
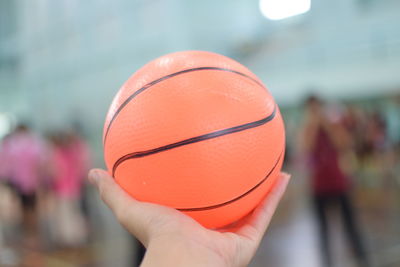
150	84
236	198
194	140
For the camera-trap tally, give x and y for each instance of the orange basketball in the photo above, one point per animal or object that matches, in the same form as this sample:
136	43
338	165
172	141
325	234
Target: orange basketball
198	132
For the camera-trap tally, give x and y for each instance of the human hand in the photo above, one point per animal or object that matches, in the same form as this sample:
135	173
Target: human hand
174	239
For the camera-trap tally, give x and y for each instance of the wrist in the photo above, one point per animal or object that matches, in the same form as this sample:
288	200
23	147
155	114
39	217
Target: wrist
175	252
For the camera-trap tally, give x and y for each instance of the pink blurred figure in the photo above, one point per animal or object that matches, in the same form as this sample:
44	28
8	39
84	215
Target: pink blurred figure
22	158
70	163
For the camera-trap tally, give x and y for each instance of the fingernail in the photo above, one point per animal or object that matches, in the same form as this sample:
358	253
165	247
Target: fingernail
94	176
286	175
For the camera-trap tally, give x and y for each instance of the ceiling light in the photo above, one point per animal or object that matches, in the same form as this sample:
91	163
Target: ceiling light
281	9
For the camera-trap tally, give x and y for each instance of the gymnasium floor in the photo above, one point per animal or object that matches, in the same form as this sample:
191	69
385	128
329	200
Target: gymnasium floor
290	241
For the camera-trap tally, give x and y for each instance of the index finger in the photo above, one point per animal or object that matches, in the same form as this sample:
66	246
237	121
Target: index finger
130	212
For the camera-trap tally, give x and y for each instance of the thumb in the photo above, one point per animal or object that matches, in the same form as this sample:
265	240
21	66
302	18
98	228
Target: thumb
132	214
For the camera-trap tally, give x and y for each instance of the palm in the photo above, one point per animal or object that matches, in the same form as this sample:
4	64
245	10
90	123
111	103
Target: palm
223	242
235	244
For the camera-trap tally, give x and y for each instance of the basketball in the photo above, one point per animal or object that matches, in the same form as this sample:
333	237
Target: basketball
198	132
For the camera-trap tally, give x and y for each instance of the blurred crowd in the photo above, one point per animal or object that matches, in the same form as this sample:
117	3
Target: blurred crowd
371	152
374	151
42	180
375	135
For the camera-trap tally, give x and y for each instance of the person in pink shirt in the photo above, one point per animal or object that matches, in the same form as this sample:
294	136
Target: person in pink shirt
22	157
70	158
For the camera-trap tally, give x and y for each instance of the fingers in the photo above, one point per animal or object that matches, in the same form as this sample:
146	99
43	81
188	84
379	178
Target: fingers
110	192
129	212
257	224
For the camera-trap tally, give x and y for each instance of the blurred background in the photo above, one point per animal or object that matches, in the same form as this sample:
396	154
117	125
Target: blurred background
332	66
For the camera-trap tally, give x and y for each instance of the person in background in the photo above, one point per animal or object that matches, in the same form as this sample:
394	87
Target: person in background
22	156
80	149
69	166
324	141
392	116
375	134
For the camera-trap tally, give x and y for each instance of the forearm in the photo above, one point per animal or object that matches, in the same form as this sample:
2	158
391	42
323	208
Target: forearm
171	253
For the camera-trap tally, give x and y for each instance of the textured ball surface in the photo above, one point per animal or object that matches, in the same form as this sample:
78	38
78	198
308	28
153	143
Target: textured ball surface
198	132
